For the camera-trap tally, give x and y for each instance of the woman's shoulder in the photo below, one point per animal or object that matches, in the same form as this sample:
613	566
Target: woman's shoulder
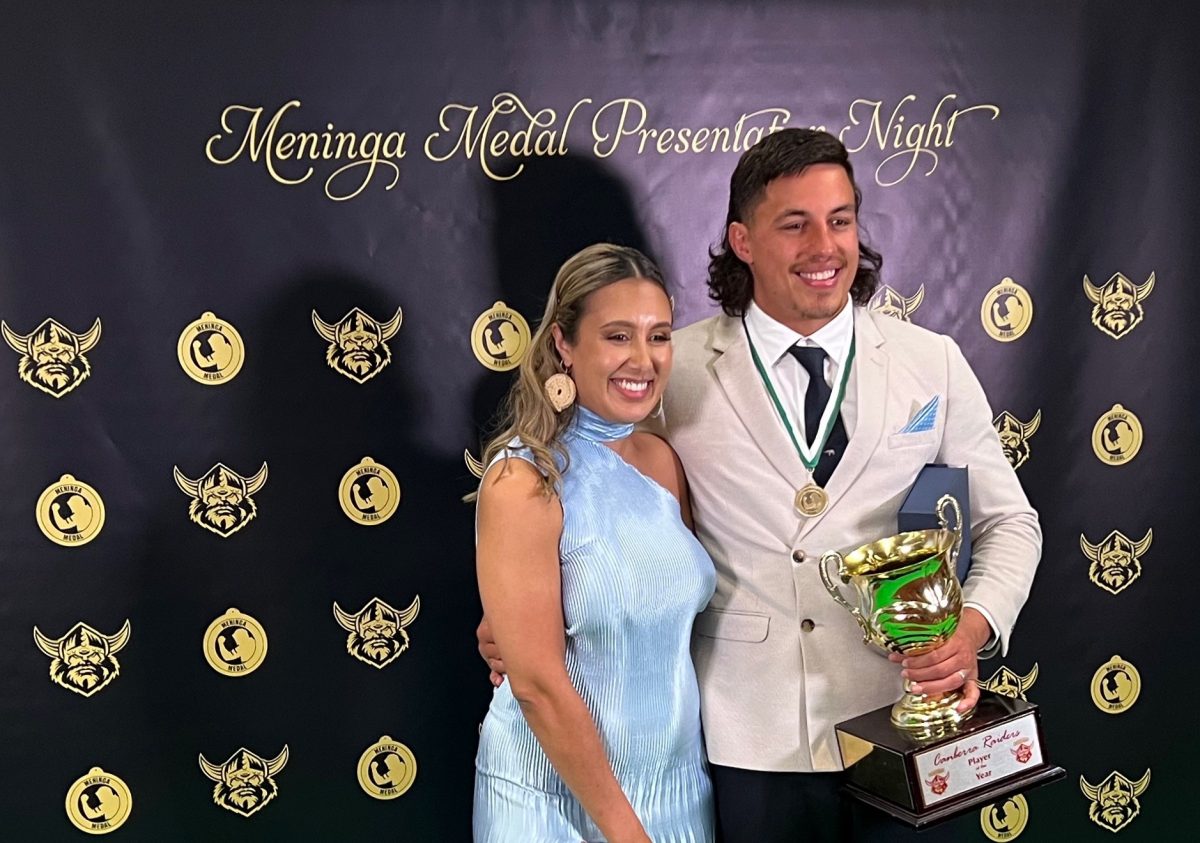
655	458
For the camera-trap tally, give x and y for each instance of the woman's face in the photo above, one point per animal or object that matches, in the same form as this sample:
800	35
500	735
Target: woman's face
621	356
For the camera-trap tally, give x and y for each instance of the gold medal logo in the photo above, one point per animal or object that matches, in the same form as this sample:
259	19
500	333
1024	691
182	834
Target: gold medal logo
70	512
1004	820
1117	304
358	343
500	337
1116	561
211	351
369	493
387	769
98	802
1114	800
1117	436
84	660
378	633
1014	436
889	302
246	781
1115	686
1007	311
811	500
1006	681
235	644
53	356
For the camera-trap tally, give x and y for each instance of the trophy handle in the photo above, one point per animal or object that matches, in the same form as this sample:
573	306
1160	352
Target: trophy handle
945	504
834	556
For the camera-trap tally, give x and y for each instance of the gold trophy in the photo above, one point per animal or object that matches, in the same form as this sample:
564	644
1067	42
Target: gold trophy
909	602
920	760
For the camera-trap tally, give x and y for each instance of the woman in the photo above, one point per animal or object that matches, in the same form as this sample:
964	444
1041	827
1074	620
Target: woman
583	526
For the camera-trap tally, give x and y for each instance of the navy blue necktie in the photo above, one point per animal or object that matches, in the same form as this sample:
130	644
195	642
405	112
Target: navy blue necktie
812	358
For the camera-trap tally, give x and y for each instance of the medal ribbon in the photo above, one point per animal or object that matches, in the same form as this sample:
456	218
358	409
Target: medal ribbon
827	418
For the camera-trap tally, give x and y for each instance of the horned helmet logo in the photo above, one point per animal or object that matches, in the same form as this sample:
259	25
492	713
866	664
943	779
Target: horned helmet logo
222	500
889	302
1006	681
1114	800
1022	750
83	660
1116	561
938	781
1014	436
1117	305
358	344
377	631
52	356
245	782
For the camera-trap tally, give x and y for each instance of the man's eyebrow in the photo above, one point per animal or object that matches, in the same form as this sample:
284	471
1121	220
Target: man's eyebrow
800	212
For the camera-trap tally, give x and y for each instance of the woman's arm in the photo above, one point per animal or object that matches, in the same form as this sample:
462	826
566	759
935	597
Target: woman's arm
520	583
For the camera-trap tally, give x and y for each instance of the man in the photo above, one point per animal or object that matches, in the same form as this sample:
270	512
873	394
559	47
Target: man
779	662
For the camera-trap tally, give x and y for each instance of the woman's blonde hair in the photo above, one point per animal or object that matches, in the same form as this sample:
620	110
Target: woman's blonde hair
526	413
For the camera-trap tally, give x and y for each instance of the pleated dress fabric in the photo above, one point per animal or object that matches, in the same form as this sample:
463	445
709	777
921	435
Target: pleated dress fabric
633	580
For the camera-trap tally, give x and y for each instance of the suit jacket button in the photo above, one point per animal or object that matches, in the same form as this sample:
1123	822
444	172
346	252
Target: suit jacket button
807	625
798	556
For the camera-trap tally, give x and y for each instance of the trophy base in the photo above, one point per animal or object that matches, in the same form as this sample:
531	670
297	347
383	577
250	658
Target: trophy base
923	780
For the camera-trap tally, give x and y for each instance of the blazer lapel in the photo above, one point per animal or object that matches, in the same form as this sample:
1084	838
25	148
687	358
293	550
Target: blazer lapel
739	379
870	394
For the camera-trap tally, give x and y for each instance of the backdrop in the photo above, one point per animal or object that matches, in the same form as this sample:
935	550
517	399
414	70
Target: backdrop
262	274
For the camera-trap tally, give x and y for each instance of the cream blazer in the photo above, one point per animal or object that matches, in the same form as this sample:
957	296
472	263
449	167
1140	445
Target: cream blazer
772	684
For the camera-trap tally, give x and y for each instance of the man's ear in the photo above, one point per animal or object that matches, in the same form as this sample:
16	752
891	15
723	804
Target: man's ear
739	241
560	345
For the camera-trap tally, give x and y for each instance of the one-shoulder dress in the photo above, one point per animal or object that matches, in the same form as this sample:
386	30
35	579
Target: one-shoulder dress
633	579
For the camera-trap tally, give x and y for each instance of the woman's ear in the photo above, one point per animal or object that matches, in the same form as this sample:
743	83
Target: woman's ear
561	345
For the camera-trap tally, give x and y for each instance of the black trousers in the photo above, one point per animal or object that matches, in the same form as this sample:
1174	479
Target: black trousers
758	807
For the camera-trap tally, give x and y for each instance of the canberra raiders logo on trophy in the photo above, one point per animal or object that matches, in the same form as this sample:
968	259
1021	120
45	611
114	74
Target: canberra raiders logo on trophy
1114	800
246	781
84	660
1015	434
1117	305
222	499
1116	561
358	344
1006	681
52	356
890	303
377	631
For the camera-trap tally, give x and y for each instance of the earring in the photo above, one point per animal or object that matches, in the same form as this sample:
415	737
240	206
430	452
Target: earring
658	410
560	390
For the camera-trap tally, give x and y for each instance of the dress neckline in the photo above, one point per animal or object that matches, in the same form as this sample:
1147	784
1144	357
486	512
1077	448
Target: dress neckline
592	427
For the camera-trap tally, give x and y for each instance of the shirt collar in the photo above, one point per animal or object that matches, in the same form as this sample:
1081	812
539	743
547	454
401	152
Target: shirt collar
773	339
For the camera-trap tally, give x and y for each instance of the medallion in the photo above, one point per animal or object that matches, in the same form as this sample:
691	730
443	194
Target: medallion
812	500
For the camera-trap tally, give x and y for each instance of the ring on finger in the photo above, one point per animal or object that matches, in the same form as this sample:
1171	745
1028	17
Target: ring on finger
963	675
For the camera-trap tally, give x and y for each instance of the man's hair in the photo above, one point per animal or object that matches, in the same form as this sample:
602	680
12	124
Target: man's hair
784	153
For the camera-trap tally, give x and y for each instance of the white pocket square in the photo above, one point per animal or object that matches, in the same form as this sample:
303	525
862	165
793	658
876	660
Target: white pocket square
924	418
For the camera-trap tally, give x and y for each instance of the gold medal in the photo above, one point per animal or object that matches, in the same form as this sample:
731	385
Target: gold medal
812	500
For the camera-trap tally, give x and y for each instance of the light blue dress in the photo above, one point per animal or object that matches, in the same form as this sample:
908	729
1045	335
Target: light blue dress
633	580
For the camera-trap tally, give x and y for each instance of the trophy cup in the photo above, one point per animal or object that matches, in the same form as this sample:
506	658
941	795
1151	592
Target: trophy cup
921	760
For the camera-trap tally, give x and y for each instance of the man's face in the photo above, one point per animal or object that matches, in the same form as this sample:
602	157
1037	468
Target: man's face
801	244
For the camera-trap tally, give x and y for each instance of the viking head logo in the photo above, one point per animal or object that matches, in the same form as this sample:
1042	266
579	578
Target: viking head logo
52	357
222	500
83	660
1116	561
245	782
1015	434
1117	306
377	631
938	782
1022	750
890	303
358	344
1114	800
1005	681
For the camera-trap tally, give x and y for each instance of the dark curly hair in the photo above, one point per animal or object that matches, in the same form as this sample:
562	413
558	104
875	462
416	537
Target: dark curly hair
784	153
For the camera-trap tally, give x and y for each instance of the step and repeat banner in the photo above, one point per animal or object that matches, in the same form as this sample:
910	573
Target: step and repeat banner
265	272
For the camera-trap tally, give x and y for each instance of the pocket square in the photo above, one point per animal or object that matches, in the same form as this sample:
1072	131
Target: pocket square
924	418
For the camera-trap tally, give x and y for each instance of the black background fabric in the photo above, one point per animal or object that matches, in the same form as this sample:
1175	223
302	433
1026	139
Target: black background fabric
110	208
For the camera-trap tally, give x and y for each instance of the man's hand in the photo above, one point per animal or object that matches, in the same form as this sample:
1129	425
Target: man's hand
951	666
490	653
